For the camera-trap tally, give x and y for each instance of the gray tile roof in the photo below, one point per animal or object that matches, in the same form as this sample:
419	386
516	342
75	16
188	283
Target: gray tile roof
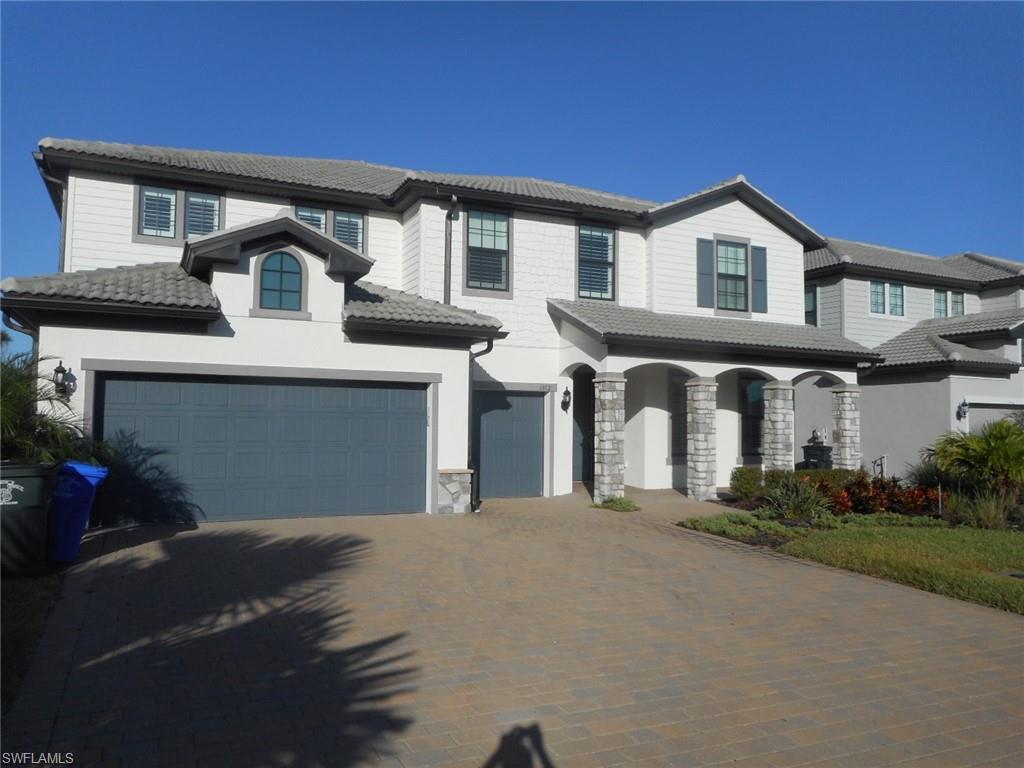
158	285
168	285
965	267
937	342
610	321
352	176
365	301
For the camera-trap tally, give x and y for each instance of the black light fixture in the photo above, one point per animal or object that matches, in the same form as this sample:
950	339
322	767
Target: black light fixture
64	381
963	409
566	399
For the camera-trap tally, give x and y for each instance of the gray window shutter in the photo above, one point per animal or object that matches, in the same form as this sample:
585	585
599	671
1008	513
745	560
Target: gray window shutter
759	278
705	273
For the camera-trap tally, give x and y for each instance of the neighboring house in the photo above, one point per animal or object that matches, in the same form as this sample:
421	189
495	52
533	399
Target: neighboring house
949	330
319	337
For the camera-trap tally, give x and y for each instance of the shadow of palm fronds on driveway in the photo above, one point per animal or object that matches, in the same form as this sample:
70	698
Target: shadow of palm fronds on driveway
228	646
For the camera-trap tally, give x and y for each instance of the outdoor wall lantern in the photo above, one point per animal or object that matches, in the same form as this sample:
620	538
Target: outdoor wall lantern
64	381
566	399
962	410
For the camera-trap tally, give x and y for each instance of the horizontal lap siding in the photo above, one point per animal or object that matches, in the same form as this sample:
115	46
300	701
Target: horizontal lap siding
674	259
99	233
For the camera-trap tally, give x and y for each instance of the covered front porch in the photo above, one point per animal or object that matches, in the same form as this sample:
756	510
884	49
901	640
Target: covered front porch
686	424
680	401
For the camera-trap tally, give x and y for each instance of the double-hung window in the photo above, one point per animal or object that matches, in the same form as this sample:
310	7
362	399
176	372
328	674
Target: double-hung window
811	305
157	211
956	303
487	251
596	263
202	213
939	304
896	299
877	298
732	275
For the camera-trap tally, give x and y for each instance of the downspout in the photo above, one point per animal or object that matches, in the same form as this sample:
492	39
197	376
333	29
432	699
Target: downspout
32	333
448	218
474	495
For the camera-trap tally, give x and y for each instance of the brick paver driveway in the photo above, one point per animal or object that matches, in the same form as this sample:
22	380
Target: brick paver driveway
421	641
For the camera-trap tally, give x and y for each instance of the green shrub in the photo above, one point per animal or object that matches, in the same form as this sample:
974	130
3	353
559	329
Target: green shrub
990	511
36	423
743	526
619	504
990	461
794	499
828	480
775	477
745	484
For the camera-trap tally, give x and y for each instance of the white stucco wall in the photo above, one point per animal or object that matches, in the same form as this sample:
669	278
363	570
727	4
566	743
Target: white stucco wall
240	340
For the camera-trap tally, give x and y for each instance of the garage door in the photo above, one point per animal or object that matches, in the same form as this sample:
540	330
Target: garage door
508	443
272	448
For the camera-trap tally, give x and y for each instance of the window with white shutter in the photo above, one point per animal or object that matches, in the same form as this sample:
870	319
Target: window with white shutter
348	228
315	217
157	209
202	213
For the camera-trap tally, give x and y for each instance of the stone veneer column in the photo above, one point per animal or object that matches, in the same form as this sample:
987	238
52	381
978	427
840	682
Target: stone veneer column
454	491
701	449
846	426
779	425
609	436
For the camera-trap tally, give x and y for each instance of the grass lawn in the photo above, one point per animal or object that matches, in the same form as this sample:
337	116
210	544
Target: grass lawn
966	563
24	606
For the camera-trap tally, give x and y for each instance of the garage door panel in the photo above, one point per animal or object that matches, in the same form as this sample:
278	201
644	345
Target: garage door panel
509	443
252	429
262	449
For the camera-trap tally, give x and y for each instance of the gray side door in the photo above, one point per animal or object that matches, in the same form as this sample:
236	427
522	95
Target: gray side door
270	448
508	443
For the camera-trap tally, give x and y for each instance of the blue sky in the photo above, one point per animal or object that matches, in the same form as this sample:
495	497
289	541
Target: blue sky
895	124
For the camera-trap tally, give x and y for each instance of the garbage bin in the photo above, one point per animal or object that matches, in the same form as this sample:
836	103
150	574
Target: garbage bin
73	495
24	513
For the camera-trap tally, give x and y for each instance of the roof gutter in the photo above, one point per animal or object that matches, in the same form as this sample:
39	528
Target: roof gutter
861	270
84	306
448	218
706	346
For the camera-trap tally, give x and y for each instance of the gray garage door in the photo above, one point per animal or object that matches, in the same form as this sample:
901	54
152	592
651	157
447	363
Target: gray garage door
263	448
508	443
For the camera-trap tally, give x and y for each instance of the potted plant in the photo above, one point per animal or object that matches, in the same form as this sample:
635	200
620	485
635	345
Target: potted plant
38	430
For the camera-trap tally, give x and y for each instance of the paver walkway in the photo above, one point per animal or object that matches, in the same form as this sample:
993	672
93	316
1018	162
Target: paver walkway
415	641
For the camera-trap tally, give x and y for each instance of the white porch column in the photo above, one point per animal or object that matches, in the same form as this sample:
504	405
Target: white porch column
779	425
846	426
609	436
701	449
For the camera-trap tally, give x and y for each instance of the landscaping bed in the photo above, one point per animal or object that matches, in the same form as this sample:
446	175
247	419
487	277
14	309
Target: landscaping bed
966	563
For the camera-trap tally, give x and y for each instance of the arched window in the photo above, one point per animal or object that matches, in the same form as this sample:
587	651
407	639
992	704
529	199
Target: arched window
281	282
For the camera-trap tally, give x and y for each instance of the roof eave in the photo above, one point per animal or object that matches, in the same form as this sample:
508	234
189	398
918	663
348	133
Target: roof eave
953	366
428	329
250	184
861	270
755	199
70	305
769	351
227	247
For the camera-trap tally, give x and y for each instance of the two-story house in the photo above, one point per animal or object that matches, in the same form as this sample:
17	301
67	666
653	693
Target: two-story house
949	332
321	337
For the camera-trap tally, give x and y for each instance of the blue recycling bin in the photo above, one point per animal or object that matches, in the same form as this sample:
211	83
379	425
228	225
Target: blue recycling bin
71	504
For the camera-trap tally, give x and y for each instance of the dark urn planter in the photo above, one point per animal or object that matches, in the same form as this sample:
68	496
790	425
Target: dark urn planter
25	491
